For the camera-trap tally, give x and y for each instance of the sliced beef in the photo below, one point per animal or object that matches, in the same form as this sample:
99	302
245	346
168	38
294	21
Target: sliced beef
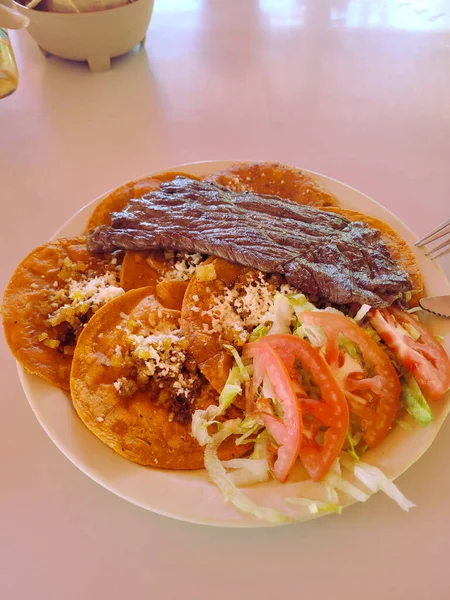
319	253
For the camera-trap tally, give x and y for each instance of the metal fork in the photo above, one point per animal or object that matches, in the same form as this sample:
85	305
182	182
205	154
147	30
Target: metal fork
435	234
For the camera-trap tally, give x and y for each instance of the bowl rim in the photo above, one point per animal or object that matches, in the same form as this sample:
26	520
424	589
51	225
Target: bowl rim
96	13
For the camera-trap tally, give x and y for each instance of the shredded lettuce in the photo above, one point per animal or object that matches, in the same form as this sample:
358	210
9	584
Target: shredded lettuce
202	419
352	445
268	392
332	494
225	484
259	332
313	333
362	312
372	333
350	347
316	507
376	480
319	506
282	315
413	400
403	424
267	388
353	441
334	479
242	370
300	303
247	471
412	331
248	427
333	310
410	294
255	468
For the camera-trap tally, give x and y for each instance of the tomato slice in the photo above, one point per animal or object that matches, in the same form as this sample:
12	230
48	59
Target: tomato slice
424	357
288	429
331	411
373	399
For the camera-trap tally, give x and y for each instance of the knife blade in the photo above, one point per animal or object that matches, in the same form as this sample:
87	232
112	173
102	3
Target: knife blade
439	305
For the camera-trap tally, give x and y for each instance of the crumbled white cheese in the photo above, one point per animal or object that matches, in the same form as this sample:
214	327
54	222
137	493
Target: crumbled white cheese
236	312
159	356
157	351
184	267
83	295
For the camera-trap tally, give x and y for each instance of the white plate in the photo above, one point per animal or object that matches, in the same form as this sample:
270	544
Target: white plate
189	496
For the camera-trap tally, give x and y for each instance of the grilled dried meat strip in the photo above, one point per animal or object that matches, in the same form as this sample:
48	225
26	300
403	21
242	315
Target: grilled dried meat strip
319	253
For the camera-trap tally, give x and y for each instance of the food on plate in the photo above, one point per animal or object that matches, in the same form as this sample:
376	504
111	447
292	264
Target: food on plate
253	335
328	410
170	293
134	384
224	302
117	200
319	253
142	269
274	179
416	349
349	393
398	248
167	272
51	295
370	382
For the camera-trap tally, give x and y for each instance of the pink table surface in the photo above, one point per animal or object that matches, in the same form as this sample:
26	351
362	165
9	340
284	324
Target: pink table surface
358	90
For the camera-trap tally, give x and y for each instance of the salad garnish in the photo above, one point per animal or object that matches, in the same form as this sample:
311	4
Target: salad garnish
321	388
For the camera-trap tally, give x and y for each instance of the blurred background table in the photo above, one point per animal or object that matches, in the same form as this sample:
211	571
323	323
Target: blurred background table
356	89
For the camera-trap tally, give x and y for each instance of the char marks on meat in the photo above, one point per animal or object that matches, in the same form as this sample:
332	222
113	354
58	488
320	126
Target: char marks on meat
319	253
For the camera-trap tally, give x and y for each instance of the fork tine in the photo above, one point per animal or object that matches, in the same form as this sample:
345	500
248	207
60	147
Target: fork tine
426	238
440	250
439	254
436	236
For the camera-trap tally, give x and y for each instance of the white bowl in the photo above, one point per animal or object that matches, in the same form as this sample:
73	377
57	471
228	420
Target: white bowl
95	37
